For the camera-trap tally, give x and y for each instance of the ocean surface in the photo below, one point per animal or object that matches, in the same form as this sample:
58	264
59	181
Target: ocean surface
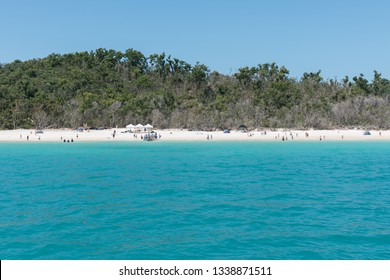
195	200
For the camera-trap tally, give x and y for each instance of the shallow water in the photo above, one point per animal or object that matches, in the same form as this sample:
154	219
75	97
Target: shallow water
204	200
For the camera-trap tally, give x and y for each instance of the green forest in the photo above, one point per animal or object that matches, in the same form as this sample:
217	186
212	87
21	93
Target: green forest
108	88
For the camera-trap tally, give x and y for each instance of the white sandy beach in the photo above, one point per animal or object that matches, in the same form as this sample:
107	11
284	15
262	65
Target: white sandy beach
59	135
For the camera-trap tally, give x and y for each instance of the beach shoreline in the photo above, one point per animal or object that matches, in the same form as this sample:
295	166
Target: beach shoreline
122	134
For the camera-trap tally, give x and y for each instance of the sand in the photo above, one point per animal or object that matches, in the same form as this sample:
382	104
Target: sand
59	135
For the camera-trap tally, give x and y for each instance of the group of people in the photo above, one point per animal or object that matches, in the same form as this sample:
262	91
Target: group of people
28	136
67	140
285	137
151	136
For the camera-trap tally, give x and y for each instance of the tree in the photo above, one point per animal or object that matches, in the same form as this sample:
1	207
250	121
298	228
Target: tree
135	60
246	75
360	86
199	73
313	78
380	86
108	88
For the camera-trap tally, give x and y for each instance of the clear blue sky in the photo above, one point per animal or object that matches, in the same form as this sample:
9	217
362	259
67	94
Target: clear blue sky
337	37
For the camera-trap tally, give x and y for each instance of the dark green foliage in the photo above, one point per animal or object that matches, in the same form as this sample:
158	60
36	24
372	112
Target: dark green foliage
107	88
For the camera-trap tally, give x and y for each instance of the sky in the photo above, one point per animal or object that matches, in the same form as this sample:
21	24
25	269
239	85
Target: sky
340	38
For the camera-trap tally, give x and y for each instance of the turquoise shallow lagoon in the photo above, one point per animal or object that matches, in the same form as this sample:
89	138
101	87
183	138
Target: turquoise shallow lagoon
203	200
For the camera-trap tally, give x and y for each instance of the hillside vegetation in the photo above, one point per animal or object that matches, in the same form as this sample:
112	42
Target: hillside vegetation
108	88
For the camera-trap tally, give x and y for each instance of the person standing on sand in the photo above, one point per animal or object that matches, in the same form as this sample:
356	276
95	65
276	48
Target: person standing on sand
28	137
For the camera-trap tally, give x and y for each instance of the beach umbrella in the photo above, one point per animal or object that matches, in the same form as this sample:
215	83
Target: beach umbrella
139	125
130	126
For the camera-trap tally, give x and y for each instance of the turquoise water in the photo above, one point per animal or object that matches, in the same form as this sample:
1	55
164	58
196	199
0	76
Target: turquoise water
208	200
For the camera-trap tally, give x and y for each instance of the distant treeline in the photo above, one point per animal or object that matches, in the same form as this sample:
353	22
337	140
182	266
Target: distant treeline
108	88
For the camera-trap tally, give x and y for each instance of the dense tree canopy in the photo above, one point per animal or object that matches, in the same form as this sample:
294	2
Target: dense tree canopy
107	88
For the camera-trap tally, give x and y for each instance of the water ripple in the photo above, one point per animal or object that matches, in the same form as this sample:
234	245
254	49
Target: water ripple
195	201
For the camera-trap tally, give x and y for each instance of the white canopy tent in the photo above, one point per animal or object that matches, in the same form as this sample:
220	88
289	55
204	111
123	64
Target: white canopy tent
149	126
139	127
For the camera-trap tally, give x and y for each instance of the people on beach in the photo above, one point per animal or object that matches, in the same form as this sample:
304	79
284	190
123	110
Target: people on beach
312	135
